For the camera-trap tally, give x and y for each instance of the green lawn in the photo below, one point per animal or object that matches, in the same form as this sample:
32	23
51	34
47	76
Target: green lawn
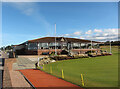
98	71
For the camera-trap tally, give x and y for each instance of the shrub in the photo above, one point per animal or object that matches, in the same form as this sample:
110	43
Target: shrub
88	52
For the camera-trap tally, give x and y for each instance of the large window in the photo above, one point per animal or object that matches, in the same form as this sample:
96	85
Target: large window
53	44
43	46
49	45
64	44
76	44
32	46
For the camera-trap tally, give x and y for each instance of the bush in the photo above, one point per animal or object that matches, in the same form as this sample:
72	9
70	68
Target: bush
60	57
80	56
88	52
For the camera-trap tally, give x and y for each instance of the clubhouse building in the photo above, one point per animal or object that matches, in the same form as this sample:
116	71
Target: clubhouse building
47	45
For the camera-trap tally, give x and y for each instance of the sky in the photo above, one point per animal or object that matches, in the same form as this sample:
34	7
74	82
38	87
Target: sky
22	21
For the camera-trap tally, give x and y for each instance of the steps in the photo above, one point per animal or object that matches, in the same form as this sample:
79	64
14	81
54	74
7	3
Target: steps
24	63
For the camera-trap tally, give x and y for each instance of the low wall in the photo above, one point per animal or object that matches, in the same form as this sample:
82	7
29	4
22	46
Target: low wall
84	50
40	51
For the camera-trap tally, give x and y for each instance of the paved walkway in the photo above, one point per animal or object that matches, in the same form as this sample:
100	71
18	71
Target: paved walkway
41	79
13	78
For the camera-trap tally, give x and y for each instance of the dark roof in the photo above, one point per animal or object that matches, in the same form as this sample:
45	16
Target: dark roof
19	44
58	39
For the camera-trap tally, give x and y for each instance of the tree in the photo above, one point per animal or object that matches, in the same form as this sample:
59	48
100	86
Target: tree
8	47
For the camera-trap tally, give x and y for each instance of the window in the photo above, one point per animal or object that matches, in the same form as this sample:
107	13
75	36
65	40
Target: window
32	46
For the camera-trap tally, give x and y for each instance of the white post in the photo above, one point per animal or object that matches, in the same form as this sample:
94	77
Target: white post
110	48
55	41
98	45
110	45
91	46
86	45
38	54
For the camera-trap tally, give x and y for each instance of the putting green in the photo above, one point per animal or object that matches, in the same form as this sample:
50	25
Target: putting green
97	72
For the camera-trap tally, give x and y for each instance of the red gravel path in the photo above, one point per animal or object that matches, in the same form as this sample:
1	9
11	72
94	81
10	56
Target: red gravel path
41	79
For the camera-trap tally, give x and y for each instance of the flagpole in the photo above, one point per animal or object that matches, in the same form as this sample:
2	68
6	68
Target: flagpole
38	54
55	40
110	44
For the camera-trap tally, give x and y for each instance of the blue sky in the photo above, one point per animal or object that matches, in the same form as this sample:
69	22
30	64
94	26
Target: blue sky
85	20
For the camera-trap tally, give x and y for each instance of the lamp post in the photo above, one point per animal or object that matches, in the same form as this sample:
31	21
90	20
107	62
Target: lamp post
110	43
55	40
38	53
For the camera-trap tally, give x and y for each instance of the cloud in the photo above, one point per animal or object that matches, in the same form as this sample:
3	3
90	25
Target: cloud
25	8
98	34
77	33
81	37
88	32
101	38
97	30
28	11
31	9
74	34
103	34
66	35
107	34
110	31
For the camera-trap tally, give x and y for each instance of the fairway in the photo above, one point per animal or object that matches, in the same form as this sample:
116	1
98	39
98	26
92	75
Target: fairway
97	72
